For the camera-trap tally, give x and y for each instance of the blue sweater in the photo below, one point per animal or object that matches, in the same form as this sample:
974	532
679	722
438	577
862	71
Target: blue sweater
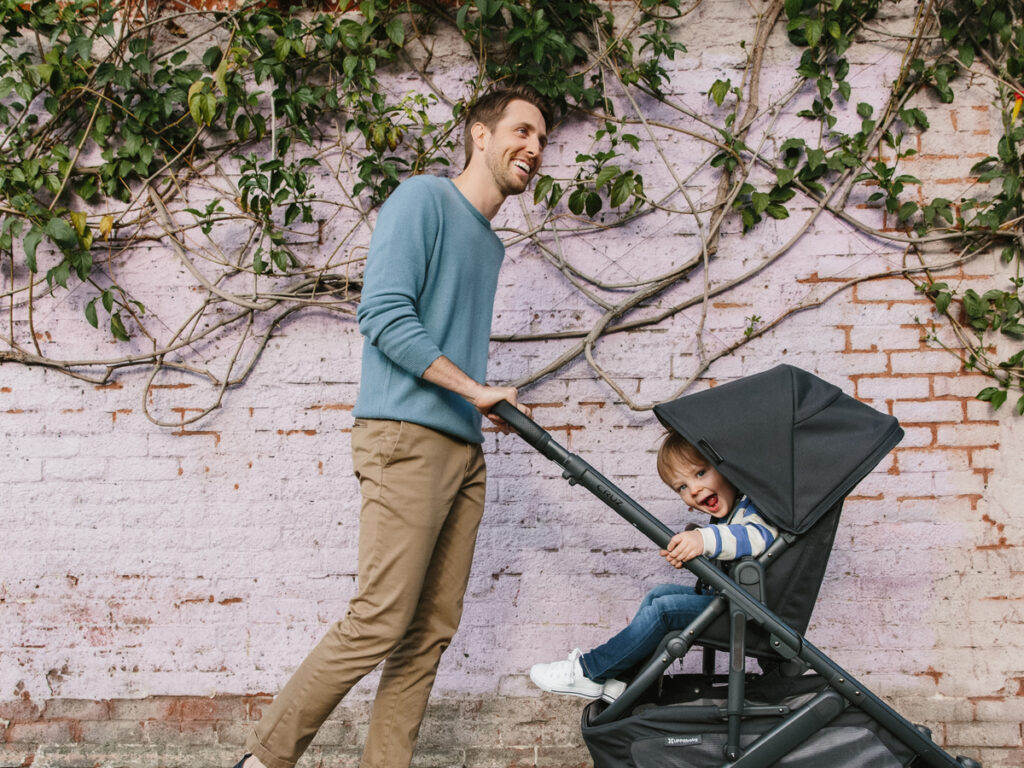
428	290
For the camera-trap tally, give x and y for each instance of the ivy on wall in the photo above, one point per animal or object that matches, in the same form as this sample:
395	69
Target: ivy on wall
235	139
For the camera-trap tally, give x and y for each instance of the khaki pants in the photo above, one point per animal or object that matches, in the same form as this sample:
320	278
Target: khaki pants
423	497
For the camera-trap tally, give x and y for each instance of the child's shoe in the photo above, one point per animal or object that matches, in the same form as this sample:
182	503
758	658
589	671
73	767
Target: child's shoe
612	689
567	677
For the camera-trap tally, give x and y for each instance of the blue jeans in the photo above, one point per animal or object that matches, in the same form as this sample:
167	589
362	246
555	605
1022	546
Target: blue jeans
665	608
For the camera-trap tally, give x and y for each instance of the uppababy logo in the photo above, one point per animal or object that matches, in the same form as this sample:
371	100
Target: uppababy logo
682	741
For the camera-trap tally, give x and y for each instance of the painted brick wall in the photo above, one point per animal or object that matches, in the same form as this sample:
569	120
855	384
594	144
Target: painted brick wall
158	585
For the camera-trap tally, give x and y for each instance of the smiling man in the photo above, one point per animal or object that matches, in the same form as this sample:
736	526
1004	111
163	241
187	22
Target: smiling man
428	295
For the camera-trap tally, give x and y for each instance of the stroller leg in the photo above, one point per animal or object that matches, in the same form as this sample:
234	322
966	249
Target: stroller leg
708	662
737	683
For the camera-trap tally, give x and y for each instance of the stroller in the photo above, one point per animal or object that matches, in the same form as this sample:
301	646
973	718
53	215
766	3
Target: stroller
796	445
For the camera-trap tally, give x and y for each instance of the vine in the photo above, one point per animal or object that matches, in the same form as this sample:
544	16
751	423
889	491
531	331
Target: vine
256	143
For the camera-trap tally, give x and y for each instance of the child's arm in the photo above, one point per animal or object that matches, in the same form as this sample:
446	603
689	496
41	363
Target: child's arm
729	541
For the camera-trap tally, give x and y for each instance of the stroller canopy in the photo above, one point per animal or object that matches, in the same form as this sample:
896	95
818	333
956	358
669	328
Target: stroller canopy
794	443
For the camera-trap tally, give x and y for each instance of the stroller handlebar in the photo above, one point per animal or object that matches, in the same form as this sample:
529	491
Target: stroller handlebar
528	429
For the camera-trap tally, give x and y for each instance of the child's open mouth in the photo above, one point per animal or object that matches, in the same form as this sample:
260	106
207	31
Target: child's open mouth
711	502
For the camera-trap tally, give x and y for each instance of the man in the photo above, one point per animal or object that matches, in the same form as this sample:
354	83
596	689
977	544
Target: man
428	295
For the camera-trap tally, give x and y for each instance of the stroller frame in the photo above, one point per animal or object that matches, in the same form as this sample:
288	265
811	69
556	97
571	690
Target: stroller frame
842	690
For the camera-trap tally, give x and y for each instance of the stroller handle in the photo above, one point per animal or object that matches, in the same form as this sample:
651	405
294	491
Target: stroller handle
576	470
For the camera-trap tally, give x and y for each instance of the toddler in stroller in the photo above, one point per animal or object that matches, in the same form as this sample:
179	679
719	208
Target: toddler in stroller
740	532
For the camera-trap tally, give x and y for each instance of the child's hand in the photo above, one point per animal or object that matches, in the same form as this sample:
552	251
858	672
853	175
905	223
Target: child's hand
684	546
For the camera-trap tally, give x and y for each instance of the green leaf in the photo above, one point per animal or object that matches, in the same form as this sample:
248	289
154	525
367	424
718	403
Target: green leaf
31	242
993	395
90	314
777	211
719	90
966	53
605	175
396	31
813	30
907	210
824	86
282	47
117	327
1011	186
80	47
793	144
622	190
280	258
793	8
61	233
212	57
59	274
593	203
784	175
577	200
760	201
542	188
815	158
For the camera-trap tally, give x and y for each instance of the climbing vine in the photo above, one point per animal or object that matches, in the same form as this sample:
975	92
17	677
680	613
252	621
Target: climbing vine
253	146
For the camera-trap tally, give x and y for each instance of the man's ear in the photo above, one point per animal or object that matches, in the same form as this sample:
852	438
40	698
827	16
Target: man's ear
479	132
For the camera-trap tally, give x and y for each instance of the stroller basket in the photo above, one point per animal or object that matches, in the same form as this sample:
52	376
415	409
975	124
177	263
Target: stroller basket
796	445
664	733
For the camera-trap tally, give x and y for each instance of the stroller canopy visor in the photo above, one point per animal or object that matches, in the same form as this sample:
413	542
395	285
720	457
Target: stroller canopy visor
794	443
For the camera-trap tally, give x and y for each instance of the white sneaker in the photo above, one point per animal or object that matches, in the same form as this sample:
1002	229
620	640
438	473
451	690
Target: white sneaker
612	689
567	677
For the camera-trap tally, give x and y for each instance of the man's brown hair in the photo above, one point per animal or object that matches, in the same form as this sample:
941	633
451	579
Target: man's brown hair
490	107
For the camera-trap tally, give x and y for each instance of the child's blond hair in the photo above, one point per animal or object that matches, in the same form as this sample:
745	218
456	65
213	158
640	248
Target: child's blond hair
675	450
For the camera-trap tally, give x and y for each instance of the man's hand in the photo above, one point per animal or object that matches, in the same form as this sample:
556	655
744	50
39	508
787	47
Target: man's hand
488	397
684	546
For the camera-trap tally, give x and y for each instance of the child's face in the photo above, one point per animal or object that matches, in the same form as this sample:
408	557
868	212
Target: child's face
702	487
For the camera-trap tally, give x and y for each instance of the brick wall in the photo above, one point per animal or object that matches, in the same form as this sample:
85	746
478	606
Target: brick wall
158	585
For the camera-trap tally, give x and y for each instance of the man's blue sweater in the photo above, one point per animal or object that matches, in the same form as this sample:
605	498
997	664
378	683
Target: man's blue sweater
428	290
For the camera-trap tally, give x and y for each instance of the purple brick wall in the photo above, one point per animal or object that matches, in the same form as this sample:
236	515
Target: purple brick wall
158	584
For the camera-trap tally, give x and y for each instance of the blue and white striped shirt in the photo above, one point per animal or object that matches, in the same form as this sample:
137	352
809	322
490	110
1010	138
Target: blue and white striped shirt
743	533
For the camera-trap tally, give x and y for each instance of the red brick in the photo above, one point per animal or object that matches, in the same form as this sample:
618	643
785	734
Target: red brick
76	709
39	732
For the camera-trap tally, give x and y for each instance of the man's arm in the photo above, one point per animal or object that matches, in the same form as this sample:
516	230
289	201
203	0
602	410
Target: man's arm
444	373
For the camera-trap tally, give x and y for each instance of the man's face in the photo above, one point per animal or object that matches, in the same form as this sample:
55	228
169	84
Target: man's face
702	487
513	150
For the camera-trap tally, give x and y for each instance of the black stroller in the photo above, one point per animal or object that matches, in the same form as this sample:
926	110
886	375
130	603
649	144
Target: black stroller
796	445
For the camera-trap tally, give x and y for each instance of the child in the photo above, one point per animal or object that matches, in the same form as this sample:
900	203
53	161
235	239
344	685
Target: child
669	606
